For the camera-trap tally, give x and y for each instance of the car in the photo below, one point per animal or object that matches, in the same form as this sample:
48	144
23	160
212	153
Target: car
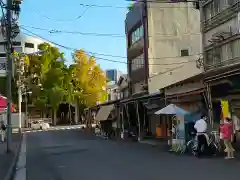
40	125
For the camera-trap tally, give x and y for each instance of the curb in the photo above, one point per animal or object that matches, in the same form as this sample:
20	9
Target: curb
12	169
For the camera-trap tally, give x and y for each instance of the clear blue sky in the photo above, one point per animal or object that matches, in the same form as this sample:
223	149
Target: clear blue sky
62	15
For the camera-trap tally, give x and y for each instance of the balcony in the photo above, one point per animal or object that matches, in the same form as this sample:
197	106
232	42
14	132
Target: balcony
222	64
3	68
136	49
221	17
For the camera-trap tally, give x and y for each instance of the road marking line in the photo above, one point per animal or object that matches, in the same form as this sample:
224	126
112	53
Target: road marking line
21	164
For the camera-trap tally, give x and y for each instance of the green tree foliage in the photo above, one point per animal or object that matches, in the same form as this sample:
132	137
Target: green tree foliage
53	83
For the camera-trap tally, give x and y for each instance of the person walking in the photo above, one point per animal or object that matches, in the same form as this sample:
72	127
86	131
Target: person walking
226	130
3	131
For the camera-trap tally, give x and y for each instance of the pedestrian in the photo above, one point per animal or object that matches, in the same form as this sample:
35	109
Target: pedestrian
3	131
201	128
226	130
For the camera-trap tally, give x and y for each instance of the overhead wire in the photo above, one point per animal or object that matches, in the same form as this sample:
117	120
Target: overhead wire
58	31
68	48
62	20
55	31
124	7
161	1
111	6
111	60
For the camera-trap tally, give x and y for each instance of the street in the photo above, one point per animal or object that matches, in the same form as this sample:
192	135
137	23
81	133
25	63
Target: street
74	155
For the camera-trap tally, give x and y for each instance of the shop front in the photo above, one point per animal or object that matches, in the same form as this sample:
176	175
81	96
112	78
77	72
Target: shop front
225	95
189	97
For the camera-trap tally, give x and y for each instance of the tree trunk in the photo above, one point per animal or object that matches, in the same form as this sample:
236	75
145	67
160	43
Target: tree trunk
76	113
70	113
54	117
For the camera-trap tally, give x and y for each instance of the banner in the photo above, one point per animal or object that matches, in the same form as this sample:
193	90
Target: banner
225	108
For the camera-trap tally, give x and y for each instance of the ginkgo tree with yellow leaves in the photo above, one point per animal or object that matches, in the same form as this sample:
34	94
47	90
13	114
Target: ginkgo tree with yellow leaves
83	83
90	79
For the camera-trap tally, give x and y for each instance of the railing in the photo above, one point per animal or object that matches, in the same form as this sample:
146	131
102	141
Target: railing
221	17
223	63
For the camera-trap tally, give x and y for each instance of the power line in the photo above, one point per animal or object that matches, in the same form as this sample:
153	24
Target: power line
110	60
62	20
57	31
124	7
109	6
164	2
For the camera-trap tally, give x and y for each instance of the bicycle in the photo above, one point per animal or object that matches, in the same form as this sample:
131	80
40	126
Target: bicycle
212	142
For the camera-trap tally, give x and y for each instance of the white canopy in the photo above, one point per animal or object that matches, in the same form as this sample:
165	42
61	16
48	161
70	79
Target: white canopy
172	109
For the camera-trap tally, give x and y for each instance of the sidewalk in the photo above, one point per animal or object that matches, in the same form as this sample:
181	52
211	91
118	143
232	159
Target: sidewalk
7	159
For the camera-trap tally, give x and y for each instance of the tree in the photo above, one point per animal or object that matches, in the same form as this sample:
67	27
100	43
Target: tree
89	80
130	7
45	78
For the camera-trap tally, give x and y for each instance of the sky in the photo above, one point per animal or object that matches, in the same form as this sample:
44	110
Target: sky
62	15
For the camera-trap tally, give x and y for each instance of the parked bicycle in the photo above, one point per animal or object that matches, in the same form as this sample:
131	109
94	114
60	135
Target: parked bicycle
213	145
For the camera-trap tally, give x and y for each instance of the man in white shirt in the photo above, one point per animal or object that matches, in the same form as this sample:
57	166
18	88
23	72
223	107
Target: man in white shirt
201	128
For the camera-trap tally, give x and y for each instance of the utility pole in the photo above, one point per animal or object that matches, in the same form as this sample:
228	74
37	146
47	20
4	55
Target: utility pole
9	73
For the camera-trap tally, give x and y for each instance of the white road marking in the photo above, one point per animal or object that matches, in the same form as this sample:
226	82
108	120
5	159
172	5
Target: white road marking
21	164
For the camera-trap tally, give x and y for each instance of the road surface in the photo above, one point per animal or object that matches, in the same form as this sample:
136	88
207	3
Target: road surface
74	155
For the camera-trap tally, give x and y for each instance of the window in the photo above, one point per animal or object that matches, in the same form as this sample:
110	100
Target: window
29	45
184	52
226	52
235	48
137	34
3	43
138	62
3	55
3	66
16	43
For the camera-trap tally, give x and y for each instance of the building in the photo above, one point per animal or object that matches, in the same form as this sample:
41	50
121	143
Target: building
164	48
22	43
135	29
123	83
161	50
221	43
113	92
113	75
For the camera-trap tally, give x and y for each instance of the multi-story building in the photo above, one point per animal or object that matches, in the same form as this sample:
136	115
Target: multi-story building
220	28
113	75
221	44
22	43
162	50
135	28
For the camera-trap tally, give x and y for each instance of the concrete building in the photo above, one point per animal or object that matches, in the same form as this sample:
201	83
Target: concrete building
22	43
164	42
123	83
220	28
221	43
175	44
113	92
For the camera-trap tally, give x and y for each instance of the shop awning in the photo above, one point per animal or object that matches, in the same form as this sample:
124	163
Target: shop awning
104	112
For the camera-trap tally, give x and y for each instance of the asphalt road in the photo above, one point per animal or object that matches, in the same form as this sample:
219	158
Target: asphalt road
74	155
